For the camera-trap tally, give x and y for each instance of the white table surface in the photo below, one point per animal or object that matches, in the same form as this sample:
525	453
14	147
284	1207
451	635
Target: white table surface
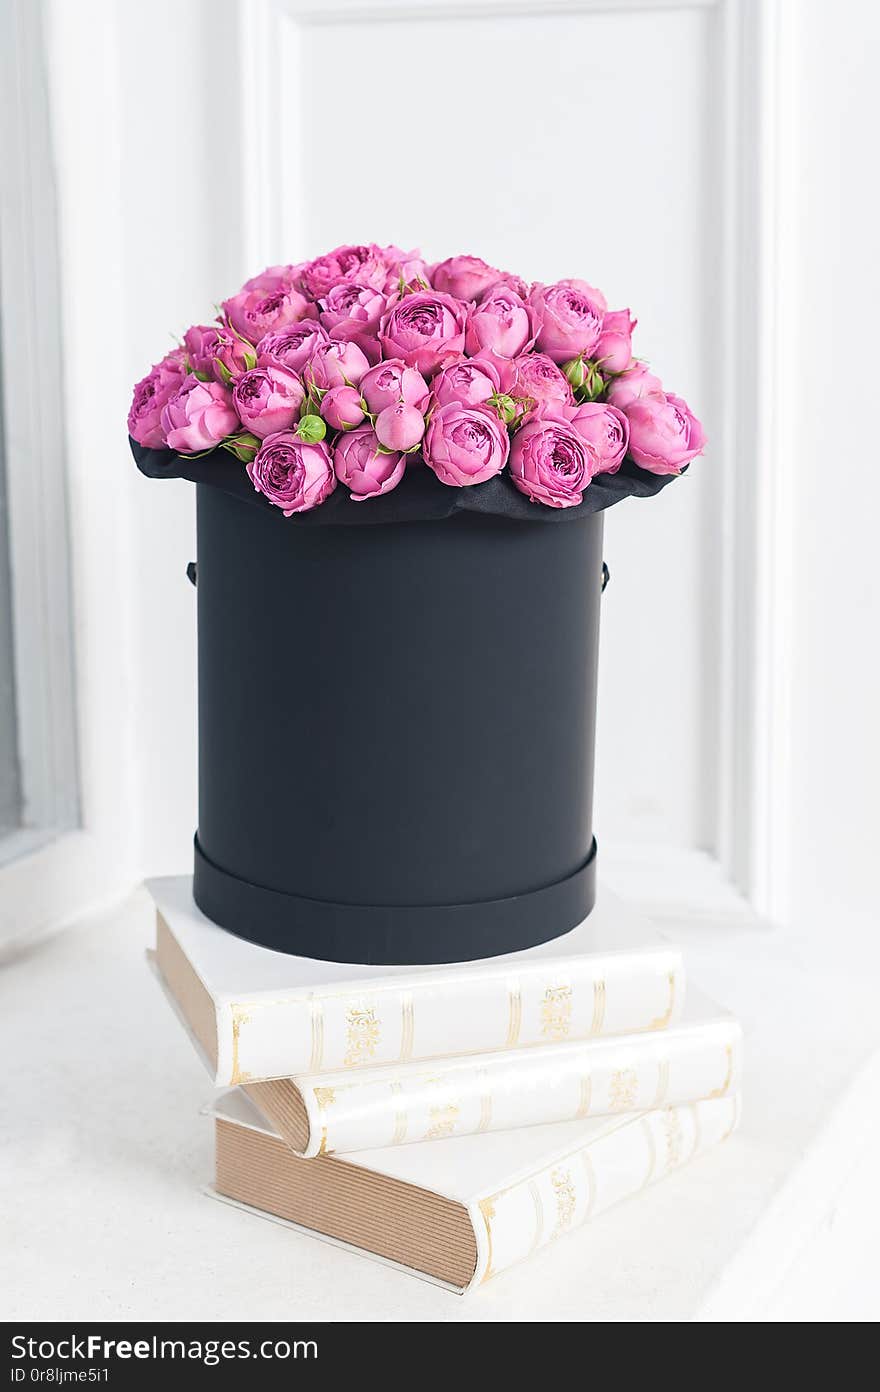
104	1157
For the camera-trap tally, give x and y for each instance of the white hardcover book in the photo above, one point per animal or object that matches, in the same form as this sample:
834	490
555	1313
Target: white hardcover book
335	1113
261	1014
460	1211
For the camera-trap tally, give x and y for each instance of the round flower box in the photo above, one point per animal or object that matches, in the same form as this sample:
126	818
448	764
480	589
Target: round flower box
395	732
401	473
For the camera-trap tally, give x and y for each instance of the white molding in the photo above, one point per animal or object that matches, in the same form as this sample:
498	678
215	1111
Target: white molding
34	432
757	479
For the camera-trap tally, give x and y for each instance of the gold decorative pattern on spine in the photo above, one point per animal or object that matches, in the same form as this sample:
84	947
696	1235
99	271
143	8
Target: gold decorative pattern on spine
624	1089
720	1091
663	1020
485	1101
239	1017
400	1120
652	1152
590	1173
407	1026
514	1015
325	1097
443	1121
672	1133
316	1008
363	1034
487	1209
598	1006
662	1083
585	1097
556	1008
566	1200
539	1215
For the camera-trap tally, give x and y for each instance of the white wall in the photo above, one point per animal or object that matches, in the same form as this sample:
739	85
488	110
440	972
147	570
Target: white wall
835	234
170	121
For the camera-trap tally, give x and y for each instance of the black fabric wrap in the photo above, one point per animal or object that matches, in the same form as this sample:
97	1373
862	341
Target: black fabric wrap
419	497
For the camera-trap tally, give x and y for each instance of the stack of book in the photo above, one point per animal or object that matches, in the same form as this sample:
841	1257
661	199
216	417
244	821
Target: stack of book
452	1119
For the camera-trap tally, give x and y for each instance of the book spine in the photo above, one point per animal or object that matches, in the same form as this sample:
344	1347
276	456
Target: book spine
465	1011
462	1097
517	1221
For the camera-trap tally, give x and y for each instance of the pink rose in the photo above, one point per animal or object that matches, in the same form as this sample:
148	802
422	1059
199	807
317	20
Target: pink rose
570	316
268	400
539	380
150	397
341	408
400	427
363	467
274	278
664	434
425	329
255	313
551	462
606	429
293	475
198	416
500	323
465	444
215	351
349	310
636	382
336	364
469	381
613	348
291	348
465	277
391	381
404	267
365	264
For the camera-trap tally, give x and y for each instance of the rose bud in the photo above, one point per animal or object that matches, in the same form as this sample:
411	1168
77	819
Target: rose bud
539	380
349	309
292	348
400	427
268	399
392	381
364	264
465	277
605	428
198	416
664	434
293	475
365	468
569	317
255	313
215	351
336	365
341	408
425	329
465	444
502	323
551	463
635	382
469	381
150	397
311	428
613	348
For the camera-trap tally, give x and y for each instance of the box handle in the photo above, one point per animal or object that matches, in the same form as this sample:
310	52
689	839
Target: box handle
606	576
192	573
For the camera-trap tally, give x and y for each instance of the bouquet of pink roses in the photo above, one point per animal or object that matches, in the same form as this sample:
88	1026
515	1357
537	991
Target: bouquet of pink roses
357	366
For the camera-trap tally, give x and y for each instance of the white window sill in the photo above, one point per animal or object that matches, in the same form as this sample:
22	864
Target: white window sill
107	1156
